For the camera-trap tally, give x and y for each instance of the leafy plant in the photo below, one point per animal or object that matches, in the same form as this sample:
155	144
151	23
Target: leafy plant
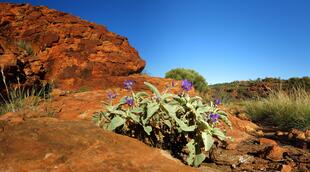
180	123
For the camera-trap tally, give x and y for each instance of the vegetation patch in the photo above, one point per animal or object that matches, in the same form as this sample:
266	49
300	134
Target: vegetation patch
182	124
285	109
18	98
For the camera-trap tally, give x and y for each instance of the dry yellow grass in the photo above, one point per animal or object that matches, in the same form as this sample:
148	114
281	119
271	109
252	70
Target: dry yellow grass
286	110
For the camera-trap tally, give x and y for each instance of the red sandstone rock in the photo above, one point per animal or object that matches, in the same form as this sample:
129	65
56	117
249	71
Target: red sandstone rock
47	144
286	168
61	48
275	153
267	141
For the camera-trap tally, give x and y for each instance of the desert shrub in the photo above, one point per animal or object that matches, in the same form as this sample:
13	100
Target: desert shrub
286	110
18	97
179	123
199	81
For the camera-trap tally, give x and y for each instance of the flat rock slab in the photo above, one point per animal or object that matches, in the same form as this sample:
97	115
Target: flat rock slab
49	144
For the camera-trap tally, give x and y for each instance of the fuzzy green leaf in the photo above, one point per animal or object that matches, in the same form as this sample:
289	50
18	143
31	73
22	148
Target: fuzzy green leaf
225	120
134	117
199	159
116	122
147	129
219	134
141	94
183	126
192	151
167	95
137	110
153	89
151	109
118	112
207	140
203	109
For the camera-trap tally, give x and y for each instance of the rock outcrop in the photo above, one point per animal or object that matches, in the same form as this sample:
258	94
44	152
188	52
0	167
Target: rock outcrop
49	144
38	43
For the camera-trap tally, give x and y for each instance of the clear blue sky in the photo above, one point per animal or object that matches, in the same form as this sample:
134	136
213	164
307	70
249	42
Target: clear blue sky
224	40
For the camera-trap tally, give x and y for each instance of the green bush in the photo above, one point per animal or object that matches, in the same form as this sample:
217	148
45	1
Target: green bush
199	81
286	110
179	123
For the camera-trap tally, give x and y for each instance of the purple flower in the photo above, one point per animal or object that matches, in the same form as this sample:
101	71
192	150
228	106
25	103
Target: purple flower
186	85
218	101
111	95
128	84
129	101
214	117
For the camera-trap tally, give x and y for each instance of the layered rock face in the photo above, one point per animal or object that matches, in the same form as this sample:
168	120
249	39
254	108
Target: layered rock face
37	43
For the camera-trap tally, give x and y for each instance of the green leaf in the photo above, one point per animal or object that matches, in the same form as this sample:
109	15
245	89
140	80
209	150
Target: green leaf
203	109
167	95
141	94
118	112
153	89
225	120
189	105
137	110
199	159
183	126
121	102
207	140
219	134
192	151
151	109
109	108
134	117
116	122
147	129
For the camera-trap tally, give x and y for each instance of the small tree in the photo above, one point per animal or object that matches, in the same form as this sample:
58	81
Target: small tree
199	81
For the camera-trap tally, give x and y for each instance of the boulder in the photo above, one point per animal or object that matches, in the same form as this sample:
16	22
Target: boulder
38	43
49	144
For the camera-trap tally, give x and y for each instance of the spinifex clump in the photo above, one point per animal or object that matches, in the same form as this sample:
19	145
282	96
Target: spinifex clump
179	123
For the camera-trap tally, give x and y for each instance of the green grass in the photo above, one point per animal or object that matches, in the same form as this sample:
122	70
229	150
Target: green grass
82	89
18	98
285	110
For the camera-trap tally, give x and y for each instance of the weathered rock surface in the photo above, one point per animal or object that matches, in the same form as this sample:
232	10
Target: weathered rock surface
40	43
50	144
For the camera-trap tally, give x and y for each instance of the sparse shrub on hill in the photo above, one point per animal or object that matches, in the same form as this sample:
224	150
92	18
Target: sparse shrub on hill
253	89
199	81
181	124
286	110
303	83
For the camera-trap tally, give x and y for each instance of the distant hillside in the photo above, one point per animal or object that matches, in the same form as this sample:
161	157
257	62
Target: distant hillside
251	89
